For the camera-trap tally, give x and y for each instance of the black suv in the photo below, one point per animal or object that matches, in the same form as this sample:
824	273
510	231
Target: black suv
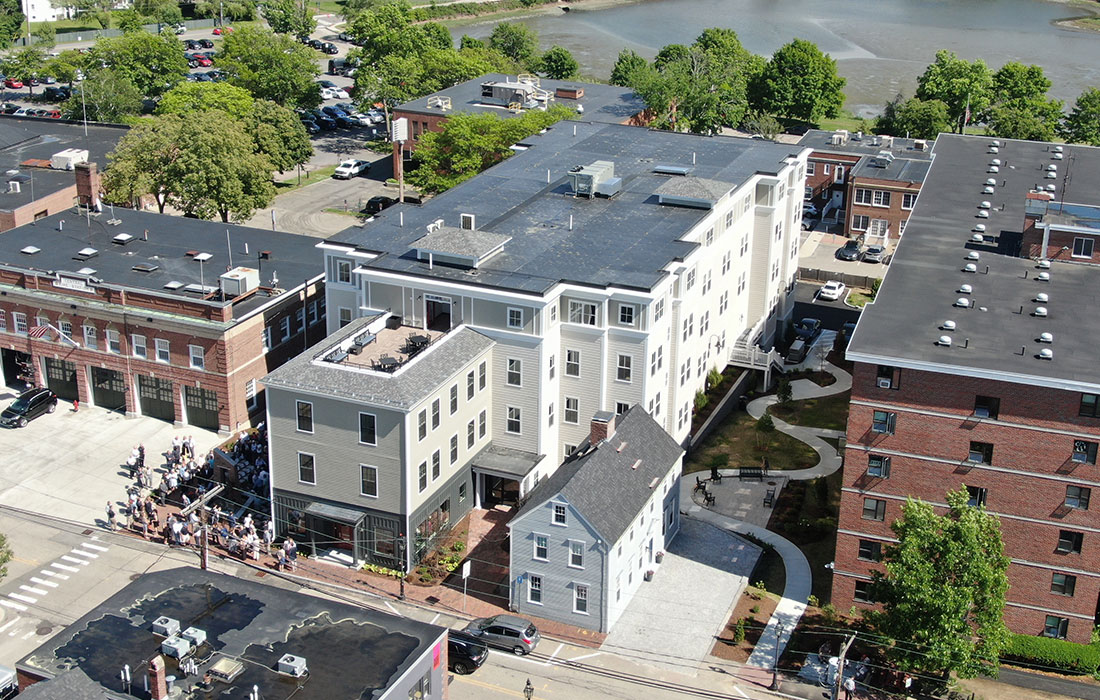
465	654
30	405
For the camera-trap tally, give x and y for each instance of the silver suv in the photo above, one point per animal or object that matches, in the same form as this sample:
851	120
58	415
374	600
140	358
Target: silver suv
505	632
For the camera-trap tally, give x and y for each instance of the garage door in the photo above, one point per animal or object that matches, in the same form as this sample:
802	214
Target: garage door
202	407
61	378
108	389
156	397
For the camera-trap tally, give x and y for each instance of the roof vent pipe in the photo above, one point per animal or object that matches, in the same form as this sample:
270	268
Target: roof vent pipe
972	255
1044	264
980	228
1044	276
948	325
965	289
1041	311
962	303
1046	338
970	267
1046	354
1042	297
945	341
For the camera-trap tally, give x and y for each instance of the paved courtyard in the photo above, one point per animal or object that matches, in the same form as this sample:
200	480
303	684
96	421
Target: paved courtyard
70	464
673	619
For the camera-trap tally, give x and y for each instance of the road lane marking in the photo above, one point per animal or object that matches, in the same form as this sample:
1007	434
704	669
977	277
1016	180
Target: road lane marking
82	553
32	562
500	689
8	624
517	657
96	547
13	605
586	656
741	693
47	572
63	567
43	582
24	598
74	560
435	618
551	659
31	589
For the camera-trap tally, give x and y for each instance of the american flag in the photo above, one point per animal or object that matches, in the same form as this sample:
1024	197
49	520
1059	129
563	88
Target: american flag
38	331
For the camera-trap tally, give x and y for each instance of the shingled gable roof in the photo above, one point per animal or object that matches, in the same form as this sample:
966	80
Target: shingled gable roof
609	483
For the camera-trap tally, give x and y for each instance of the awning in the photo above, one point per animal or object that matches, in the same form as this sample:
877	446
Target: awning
336	513
505	462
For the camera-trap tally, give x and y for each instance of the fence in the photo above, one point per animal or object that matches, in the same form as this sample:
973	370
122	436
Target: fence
864	281
92	35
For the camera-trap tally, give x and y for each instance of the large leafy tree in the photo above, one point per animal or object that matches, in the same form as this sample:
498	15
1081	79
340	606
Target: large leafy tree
217	172
469	143
914	118
800	82
142	162
1083	123
559	64
154	63
270	66
107	95
959	84
943	591
162	11
288	17
279	135
387	29
1019	106
194	97
25	64
515	40
11	20
625	65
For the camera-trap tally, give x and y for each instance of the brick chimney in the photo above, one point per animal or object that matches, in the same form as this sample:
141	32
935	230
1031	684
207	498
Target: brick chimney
87	185
603	427
158	683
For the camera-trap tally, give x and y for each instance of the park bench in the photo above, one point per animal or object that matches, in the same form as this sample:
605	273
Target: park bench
750	473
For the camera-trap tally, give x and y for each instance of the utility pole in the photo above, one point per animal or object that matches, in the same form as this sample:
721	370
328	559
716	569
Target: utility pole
204	539
839	682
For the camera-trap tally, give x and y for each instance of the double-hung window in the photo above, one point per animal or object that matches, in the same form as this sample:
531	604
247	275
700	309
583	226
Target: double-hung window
874	509
137	345
580	598
91	341
534	589
368	429
883	422
542	547
304	410
626	315
515	372
576	554
197	356
114	341
559	514
513	423
624	368
1077	497
1063	584
307	469
163	352
1084	452
572	363
878	466
368	480
572	410
515	317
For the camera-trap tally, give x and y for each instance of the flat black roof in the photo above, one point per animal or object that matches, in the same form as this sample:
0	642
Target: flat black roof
350	652
293	258
997	336
601	103
626	240
865	144
25	138
899	169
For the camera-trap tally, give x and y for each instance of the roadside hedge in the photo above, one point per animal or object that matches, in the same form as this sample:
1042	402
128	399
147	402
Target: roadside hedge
1047	652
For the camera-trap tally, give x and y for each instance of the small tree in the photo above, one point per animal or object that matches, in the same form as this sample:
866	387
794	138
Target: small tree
783	392
559	64
765	426
762	123
45	36
943	591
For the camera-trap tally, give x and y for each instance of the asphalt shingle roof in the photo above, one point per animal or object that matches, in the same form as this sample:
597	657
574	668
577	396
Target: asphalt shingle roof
611	483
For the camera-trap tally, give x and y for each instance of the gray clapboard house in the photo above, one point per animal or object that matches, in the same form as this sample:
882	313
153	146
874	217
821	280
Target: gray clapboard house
583	542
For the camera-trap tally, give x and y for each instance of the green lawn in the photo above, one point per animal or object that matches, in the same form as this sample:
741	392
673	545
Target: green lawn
307	179
806	514
859	298
738	444
829	412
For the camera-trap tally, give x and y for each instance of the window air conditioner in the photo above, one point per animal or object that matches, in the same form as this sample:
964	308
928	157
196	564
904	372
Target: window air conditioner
884	382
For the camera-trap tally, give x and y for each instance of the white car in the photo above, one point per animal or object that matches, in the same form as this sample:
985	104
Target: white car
334	93
361	119
351	168
831	291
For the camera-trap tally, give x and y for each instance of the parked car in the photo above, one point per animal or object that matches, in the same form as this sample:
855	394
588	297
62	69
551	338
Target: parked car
204	61
326	83
52	113
831	290
874	254
58	93
191	44
809	209
506	632
360	119
377	204
49	80
851	250
465	654
9	108
311	126
807	329
324	121
30	405
845	335
376	116
316	44
346	121
334	111
330	48
180	29
796	353
13	83
348	107
206	44
351	168
223	31
23	112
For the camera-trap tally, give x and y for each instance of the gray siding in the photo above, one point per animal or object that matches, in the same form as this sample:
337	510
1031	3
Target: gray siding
559	580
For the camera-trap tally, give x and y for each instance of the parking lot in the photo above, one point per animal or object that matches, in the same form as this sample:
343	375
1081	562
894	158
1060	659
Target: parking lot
70	464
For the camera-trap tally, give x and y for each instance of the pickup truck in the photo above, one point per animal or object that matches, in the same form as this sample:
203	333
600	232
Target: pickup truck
351	168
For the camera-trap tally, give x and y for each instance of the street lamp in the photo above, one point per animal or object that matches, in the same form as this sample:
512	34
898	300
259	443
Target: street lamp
401	556
528	690
775	661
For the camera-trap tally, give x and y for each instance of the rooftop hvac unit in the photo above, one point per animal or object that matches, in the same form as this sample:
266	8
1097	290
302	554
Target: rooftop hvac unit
240	280
166	626
586	180
882	160
176	647
840	137
292	665
194	635
69	158
226	669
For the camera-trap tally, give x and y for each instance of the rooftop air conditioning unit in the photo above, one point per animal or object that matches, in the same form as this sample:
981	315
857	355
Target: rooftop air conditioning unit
69	158
175	647
166	626
194	635
240	280
292	665
587	180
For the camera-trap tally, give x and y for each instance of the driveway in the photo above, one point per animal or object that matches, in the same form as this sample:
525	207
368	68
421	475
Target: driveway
70	464
673	620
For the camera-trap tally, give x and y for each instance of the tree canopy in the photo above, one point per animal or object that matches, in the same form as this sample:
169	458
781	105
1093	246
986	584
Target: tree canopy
943	591
387	29
800	82
288	17
915	118
625	65
471	142
559	64
957	83
515	40
107	95
1019	108
11	21
270	66
25	64
198	96
154	63
1083	123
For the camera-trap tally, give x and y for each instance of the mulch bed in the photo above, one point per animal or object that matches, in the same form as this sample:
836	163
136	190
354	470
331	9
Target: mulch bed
725	647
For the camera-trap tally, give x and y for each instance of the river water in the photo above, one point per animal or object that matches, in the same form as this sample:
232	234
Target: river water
881	46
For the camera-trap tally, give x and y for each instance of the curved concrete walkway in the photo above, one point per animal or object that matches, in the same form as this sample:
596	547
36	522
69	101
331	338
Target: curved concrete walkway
796	591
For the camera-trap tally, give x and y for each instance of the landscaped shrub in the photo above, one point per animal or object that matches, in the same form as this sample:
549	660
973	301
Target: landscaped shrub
1047	652
739	631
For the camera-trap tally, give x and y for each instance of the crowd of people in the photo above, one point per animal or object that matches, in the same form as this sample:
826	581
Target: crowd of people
249	454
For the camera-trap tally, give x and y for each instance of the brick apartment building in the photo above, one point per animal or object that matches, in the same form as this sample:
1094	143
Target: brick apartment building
164	316
32	188
975	367
866	183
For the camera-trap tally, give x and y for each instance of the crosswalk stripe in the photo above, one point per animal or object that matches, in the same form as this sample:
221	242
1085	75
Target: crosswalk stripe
30	589
43	582
13	605
64	567
96	547
9	623
47	572
82	553
82	562
24	598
